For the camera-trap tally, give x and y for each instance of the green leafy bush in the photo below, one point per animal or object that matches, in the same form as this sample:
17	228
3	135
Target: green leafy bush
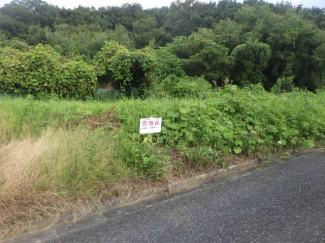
184	87
141	154
250	60
129	70
42	72
167	64
202	57
284	84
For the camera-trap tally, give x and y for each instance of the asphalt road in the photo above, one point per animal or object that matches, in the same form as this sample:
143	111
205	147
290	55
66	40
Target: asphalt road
282	203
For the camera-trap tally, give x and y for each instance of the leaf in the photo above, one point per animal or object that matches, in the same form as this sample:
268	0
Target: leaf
184	110
309	144
282	142
237	150
229	135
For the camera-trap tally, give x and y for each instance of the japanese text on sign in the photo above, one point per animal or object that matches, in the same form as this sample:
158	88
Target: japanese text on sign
150	125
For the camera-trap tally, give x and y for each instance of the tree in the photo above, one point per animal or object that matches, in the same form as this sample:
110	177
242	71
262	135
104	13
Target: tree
183	18
202	57
250	60
125	15
85	40
229	33
166	64
11	27
293	42
145	30
3	39
227	9
32	12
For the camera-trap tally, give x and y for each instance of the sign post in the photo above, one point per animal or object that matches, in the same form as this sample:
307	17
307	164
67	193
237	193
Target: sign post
150	125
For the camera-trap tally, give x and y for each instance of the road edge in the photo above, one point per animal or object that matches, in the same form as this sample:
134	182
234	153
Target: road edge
93	215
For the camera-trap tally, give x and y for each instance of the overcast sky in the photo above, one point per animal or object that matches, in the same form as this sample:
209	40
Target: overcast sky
151	3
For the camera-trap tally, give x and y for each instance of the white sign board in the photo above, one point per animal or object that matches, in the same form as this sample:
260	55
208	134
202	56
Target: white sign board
150	125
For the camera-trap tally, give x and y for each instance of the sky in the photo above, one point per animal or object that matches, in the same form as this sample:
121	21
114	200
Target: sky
152	3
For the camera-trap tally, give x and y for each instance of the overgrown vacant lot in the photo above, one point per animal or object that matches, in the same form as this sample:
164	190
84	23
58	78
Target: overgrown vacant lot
60	155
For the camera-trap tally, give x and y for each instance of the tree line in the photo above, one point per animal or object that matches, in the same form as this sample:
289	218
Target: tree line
253	42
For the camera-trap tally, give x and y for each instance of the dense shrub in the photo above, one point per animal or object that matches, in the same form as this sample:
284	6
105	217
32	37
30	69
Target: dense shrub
166	64
128	70
183	87
283	85
41	72
250	60
202	57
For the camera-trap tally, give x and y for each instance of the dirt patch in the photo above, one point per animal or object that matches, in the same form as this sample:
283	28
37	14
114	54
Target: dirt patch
105	119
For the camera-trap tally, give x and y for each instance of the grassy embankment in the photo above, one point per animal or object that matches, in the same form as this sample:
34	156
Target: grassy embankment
57	155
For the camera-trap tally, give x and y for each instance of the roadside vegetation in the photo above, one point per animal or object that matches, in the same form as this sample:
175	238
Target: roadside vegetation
56	155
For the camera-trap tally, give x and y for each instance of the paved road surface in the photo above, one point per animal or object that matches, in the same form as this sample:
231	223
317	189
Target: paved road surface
282	203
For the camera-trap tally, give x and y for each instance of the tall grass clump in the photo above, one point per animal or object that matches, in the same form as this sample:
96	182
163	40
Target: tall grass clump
40	177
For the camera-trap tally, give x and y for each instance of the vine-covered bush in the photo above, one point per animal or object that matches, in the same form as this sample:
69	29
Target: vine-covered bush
129	71
77	80
41	71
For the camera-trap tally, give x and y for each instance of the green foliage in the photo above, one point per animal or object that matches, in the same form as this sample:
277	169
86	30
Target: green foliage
11	27
3	39
36	35
147	158
184	87
166	64
229	33
202	57
226	42
293	42
19	45
146	30
250	60
283	85
85	40
41	72
129	70
234	120
76	80
185	16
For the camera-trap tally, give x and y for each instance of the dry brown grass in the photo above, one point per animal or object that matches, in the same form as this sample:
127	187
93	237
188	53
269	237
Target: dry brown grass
21	205
57	172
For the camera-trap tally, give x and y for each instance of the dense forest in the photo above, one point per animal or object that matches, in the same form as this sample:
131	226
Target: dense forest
45	49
